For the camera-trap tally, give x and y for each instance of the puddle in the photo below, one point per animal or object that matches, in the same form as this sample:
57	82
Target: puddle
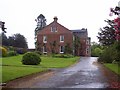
68	72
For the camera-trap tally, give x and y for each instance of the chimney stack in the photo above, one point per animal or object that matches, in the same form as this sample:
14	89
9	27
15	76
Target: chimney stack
55	18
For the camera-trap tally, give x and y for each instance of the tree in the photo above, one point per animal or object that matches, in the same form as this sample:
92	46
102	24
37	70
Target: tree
107	35
41	23
116	11
20	41
4	39
11	41
96	49
112	52
17	40
2	26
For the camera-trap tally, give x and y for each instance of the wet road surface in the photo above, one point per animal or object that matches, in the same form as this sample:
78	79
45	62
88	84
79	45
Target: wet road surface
84	74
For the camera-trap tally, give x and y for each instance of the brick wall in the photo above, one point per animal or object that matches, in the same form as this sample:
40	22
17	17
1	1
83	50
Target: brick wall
54	36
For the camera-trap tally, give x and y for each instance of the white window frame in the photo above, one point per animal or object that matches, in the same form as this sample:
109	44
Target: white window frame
61	38
61	49
45	39
87	42
87	51
44	49
53	29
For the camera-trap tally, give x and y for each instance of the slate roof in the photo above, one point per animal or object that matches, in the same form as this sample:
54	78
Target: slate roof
80	32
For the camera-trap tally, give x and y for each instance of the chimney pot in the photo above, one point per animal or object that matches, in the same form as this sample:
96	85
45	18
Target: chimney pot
55	18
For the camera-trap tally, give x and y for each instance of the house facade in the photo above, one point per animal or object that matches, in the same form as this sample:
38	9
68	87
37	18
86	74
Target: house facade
55	38
85	44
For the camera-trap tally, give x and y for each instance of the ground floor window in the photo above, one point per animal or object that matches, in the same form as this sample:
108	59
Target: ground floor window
87	51
61	49
44	49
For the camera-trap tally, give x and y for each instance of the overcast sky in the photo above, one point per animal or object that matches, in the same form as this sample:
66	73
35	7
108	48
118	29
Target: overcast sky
20	15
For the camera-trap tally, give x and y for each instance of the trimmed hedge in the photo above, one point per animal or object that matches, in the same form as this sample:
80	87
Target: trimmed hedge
31	58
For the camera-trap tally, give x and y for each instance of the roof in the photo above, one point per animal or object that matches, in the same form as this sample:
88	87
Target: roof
79	30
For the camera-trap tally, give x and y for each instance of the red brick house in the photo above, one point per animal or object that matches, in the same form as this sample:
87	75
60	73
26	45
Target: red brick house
85	46
54	37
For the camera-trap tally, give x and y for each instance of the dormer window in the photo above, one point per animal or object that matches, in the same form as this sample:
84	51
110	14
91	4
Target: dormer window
53	29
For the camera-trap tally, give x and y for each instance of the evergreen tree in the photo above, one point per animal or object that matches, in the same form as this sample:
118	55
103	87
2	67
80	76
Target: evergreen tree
41	23
4	39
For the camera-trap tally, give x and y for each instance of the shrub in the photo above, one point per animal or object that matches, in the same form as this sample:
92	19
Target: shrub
12	53
63	55
31	58
3	51
38	52
21	50
108	55
11	48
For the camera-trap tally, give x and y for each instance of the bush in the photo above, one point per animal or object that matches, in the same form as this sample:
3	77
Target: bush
21	50
10	48
31	58
3	51
96	52
12	53
63	55
38	52
108	55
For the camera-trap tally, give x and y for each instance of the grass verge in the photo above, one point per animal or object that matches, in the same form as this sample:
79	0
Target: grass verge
113	67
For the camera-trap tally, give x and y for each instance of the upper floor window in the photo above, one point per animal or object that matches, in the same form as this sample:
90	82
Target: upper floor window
61	38
88	42
53	29
45	39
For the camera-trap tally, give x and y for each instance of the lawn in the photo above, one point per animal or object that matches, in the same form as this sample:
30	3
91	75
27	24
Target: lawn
12	72
113	67
48	62
12	67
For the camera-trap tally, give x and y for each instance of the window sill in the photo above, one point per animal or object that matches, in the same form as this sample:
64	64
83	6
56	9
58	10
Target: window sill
61	52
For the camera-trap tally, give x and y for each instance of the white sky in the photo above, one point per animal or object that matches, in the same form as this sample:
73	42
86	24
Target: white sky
20	15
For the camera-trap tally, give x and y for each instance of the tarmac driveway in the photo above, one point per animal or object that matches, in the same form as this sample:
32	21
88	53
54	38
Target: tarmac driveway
85	74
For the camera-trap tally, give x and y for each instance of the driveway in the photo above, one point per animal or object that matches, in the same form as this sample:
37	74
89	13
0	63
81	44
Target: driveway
85	74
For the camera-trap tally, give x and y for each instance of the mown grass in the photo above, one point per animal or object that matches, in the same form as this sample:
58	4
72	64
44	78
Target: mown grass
48	62
51	62
113	67
12	72
13	68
